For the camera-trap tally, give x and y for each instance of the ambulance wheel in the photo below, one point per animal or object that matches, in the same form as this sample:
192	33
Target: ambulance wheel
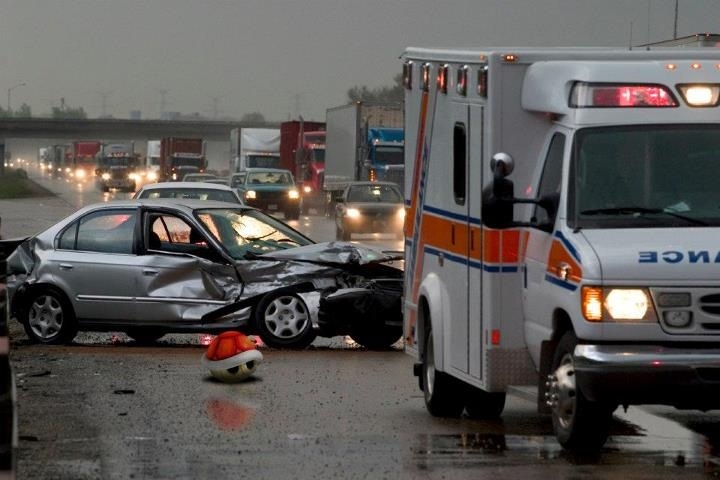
443	393
483	405
283	320
579	424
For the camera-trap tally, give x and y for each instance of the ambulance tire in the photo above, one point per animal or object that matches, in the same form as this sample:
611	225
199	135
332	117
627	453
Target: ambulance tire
580	424
443	393
482	405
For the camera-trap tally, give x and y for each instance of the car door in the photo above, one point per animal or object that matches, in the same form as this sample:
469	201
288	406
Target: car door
182	274
95	264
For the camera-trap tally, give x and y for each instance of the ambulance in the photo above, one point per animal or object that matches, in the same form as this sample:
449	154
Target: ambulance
562	231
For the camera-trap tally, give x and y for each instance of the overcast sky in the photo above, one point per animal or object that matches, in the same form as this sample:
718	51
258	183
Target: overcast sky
282	57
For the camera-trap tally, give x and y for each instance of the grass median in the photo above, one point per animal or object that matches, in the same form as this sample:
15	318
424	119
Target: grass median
16	184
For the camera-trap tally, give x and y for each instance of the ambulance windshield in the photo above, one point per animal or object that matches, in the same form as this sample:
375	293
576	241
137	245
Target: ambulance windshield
645	176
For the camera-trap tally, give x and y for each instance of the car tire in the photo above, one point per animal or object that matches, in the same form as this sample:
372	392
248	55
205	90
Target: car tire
443	393
482	405
145	336
380	339
579	424
48	317
292	214
282	319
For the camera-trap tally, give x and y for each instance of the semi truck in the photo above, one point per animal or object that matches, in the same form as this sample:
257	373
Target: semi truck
116	166
561	231
302	147
255	147
180	156
83	161
363	142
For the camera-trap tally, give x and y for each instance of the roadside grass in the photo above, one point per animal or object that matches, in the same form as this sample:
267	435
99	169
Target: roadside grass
16	184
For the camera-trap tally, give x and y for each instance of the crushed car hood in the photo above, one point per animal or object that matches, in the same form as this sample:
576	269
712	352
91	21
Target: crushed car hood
335	253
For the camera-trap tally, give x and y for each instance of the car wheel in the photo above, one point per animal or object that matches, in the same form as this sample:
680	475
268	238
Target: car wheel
49	317
579	423
380	339
283	320
292	214
145	335
443	393
483	405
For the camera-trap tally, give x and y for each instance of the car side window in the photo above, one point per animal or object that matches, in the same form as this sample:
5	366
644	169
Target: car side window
106	231
168	233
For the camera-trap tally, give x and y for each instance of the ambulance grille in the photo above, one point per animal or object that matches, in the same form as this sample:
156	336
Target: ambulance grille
710	304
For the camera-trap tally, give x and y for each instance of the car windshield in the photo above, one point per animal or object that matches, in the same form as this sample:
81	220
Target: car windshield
270	178
645	176
244	232
373	193
190	193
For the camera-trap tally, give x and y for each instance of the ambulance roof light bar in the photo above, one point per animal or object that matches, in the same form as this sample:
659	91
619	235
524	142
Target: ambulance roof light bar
620	95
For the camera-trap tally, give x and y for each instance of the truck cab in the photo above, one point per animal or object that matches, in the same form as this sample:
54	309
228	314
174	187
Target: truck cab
562	212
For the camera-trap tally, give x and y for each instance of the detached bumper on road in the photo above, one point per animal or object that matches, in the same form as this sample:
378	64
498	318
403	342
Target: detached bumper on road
686	378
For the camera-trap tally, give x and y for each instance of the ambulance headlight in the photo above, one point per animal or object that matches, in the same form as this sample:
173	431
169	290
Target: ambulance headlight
617	305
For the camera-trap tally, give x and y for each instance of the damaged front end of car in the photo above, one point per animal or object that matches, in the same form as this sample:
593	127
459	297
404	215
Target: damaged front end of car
345	288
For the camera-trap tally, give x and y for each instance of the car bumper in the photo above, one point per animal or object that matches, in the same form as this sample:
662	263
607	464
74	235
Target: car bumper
372	225
273	205
649	374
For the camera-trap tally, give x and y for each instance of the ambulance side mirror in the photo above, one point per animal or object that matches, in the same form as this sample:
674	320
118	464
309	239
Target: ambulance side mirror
498	200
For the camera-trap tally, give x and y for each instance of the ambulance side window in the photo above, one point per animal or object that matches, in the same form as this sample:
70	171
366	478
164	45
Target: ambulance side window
459	162
551	177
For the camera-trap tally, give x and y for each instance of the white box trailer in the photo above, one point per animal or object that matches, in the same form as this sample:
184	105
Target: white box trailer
254	147
592	269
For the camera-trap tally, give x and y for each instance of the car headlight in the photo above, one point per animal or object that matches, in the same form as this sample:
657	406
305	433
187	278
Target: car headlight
106	176
133	176
352	213
401	213
617	305
307	189
250	195
152	176
294	194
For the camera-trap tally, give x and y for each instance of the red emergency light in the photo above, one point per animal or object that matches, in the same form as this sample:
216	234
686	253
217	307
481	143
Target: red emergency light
618	95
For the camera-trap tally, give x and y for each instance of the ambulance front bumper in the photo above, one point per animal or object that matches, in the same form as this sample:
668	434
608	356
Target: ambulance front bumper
686	378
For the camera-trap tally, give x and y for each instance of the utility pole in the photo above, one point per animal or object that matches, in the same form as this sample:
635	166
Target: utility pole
103	106
9	90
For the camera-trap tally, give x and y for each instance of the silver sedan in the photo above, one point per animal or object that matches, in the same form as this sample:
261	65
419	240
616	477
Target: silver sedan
151	267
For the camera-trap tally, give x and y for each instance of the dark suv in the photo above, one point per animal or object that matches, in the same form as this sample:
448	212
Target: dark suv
271	190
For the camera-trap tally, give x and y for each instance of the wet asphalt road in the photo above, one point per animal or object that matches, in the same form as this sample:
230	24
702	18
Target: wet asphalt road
106	408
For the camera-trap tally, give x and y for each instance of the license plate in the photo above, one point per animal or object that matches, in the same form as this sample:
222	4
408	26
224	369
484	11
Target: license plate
272	206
